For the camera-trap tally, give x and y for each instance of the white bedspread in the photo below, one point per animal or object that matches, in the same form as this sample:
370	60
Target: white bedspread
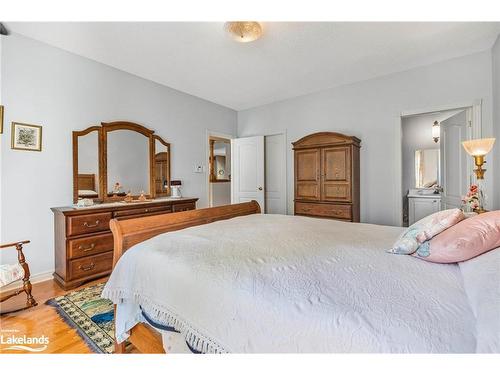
273	283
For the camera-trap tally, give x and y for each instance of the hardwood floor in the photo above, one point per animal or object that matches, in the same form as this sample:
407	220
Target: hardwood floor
42	320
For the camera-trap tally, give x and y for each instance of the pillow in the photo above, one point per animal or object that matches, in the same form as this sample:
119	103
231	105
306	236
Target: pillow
465	240
425	229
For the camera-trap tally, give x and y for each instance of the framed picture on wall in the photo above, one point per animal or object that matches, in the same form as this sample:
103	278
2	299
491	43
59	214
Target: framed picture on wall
26	137
1	119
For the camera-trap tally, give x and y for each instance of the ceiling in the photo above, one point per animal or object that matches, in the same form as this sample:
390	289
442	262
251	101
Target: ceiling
291	59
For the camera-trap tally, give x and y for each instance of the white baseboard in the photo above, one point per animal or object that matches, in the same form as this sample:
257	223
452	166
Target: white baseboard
38	278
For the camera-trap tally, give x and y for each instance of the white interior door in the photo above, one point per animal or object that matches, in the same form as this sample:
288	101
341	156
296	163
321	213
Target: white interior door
454	168
247	168
275	185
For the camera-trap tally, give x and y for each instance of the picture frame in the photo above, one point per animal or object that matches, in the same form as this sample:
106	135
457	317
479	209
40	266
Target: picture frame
1	119
26	137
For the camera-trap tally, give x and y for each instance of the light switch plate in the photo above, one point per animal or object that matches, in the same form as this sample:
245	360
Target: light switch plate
199	169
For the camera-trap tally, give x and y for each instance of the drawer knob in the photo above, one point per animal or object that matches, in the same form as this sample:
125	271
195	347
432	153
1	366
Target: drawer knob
146	210
84	249
85	224
87	268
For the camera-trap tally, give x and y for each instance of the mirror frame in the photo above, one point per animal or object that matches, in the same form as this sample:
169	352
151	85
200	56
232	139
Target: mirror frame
166	144
103	131
213	178
82	133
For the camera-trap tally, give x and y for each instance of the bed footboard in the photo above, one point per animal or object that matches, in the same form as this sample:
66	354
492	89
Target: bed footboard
129	232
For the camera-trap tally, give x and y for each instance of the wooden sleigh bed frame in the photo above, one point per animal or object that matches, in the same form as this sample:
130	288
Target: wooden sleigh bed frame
127	233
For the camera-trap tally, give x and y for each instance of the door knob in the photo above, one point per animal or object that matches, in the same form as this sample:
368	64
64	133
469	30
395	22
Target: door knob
260	187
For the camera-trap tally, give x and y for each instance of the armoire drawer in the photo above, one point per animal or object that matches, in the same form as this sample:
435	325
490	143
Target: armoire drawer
97	244
88	223
336	211
91	265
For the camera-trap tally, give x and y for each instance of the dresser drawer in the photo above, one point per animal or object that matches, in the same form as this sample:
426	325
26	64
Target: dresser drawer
184	207
88	223
90	245
143	211
336	211
91	265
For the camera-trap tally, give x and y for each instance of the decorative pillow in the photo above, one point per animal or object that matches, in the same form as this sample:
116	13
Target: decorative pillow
425	229
465	240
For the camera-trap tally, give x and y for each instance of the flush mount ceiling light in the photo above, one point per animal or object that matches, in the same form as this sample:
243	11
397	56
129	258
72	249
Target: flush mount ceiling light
243	31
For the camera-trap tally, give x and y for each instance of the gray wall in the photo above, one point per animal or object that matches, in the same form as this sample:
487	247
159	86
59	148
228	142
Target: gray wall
496	118
65	92
370	110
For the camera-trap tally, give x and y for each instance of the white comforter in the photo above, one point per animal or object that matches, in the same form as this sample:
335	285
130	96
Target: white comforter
273	283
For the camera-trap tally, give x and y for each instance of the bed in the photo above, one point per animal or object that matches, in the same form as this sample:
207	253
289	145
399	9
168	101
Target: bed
231	280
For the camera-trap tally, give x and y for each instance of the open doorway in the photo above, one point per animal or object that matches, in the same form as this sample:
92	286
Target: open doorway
219	171
434	165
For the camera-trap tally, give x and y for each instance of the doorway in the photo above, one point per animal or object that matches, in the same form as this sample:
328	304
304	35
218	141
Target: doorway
259	172
219	170
434	164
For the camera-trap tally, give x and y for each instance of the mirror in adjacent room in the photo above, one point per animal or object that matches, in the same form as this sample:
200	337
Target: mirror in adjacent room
86	173
426	168
162	167
220	160
127	163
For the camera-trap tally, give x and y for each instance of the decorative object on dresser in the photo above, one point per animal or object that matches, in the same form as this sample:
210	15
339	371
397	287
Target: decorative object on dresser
15	272
327	176
83	240
175	185
26	137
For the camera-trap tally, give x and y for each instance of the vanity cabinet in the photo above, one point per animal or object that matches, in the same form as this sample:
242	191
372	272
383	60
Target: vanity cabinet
84	242
326	169
421	207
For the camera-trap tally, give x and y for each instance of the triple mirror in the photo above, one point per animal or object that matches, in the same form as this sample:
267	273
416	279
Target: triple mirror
118	158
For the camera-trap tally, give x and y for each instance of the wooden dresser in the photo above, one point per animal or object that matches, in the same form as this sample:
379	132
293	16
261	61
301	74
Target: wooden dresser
327	176
84	243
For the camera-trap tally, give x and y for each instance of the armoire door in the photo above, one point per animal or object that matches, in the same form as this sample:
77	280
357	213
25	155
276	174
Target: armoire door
307	174
336	174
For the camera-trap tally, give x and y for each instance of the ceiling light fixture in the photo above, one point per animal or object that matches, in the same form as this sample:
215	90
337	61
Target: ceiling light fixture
243	31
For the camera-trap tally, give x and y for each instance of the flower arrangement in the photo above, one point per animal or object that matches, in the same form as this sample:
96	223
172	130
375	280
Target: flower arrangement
474	198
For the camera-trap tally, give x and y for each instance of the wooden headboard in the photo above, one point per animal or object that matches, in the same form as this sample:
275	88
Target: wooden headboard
129	232
86	182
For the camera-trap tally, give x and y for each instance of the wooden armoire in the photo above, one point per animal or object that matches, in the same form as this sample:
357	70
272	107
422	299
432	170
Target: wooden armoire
327	176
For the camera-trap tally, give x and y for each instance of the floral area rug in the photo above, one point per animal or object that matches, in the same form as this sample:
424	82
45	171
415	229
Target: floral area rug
91	315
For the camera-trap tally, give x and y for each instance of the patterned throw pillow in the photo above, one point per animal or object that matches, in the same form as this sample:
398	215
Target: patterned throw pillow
424	229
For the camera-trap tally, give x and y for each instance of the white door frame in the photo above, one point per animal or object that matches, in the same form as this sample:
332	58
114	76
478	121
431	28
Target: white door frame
212	133
285	158
476	130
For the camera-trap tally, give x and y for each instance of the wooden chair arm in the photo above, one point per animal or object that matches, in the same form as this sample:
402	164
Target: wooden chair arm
14	244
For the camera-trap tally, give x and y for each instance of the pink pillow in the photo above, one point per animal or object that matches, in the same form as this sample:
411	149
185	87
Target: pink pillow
465	240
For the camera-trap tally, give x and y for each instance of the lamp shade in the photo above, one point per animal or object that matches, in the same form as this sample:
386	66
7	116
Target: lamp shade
478	147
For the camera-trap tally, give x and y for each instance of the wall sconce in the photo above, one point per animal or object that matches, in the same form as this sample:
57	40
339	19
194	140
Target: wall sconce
436	129
478	148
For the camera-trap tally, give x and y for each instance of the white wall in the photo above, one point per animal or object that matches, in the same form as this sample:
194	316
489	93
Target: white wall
64	92
370	110
496	119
